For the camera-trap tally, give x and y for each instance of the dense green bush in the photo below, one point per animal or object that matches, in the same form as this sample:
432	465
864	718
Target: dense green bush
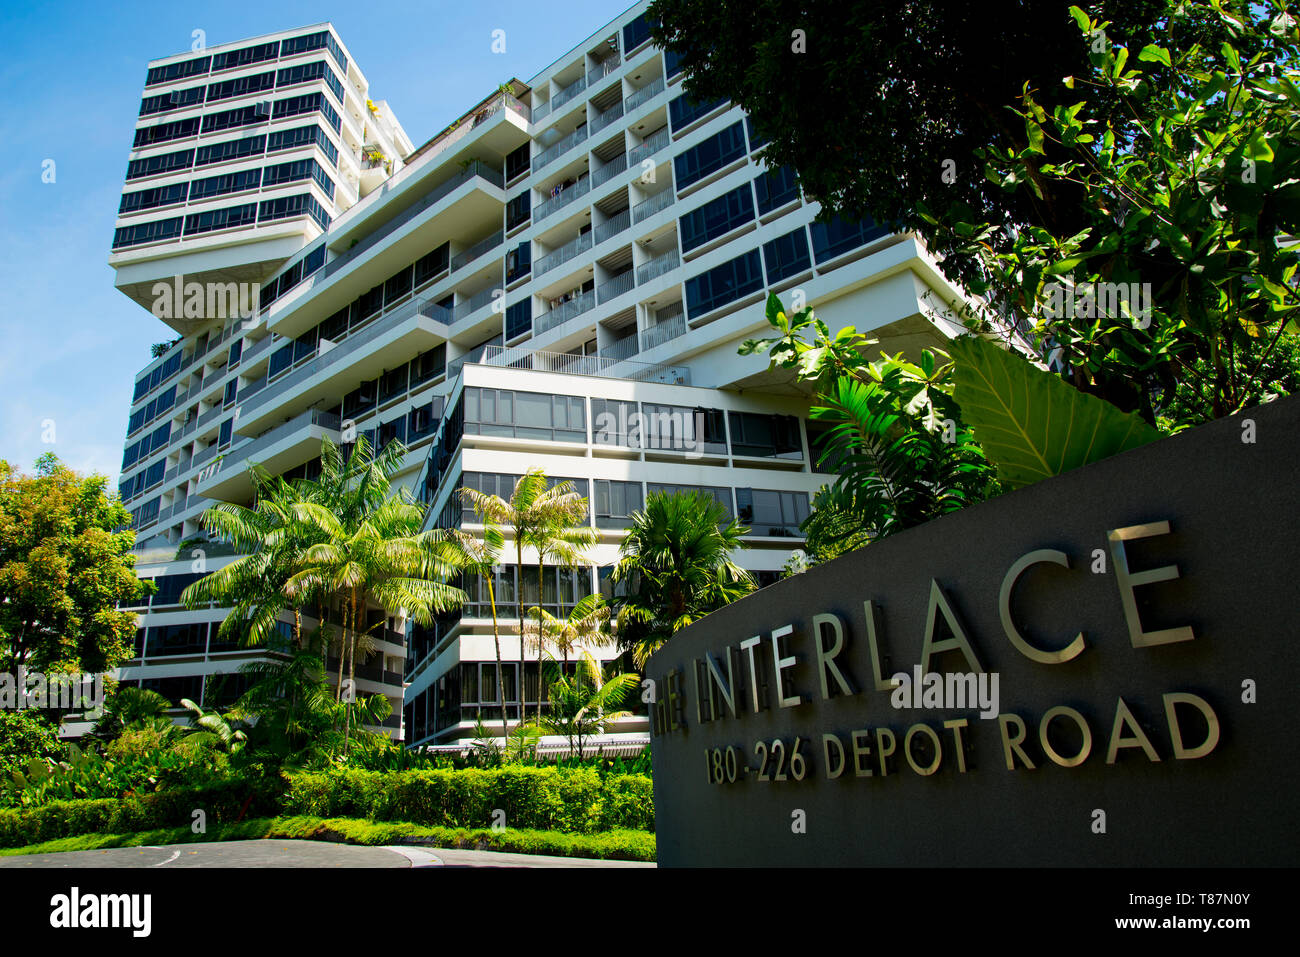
224	802
24	735
576	800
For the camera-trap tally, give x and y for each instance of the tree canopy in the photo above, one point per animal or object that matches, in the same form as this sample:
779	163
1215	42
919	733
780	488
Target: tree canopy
65	564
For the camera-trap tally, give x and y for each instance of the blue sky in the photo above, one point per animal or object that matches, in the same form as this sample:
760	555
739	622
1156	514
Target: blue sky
71	75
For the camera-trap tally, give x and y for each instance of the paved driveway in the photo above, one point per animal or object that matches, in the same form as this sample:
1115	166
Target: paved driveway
293	854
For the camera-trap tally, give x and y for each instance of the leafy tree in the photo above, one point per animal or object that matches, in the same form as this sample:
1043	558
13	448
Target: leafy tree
1193	190
585	703
585	623
543	516
880	107
896	438
24	735
65	565
676	561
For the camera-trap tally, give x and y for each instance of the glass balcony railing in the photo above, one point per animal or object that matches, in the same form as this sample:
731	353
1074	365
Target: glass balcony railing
478	249
648	147
553	152
564	312
648	207
564	198
475	169
613	226
657	267
603	69
611	169
562	255
602	120
241	456
613	288
644	95
463	310
663	331
568	93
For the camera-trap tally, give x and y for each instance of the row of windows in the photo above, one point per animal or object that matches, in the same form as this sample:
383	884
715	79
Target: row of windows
151	443
246	56
142	481
525	415
156	377
233	150
233	119
157	406
226	183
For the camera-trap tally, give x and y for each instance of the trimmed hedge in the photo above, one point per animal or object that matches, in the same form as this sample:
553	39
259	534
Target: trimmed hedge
571	800
221	803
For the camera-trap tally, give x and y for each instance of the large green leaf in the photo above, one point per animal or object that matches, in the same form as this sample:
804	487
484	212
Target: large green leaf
1030	423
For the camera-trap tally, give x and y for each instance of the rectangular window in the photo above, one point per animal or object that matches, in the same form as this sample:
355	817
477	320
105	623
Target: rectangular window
519	209
227	183
191	639
165	132
398	286
772	513
717	217
141	233
178	71
152	198
636	33
287	206
175	100
519	318
615	502
525	415
723	284
307	103
215	219
303	136
431	264
839	236
156	165
429	365
394	382
615	423
709	155
308	72
323	40
786	255
755	140
680	427
241	86
517	162
682	111
776	188
233	119
246	56
768	436
230	150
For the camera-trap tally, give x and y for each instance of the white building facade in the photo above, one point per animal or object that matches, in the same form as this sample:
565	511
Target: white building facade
560	279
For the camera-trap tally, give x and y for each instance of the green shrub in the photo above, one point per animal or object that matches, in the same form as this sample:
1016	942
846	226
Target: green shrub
572	800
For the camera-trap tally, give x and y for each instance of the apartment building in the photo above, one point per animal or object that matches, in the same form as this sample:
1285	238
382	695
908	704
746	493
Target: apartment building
559	279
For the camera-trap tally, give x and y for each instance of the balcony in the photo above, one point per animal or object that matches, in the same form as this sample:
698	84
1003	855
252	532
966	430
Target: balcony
602	120
256	349
648	147
603	69
613	288
613	226
663	331
648	207
463	310
408	324
657	267
562	255
624	348
541	111
283	447
478	249
599	366
563	146
476	168
576	191
644	95
564	312
568	93
611	169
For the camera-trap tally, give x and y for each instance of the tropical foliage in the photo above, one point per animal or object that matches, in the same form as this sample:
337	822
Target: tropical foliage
65	565
676	565
586	701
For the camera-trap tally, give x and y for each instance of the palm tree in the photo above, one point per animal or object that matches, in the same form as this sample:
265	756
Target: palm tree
370	550
542	516
212	728
480	556
583	704
676	561
272	539
132	708
584	624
